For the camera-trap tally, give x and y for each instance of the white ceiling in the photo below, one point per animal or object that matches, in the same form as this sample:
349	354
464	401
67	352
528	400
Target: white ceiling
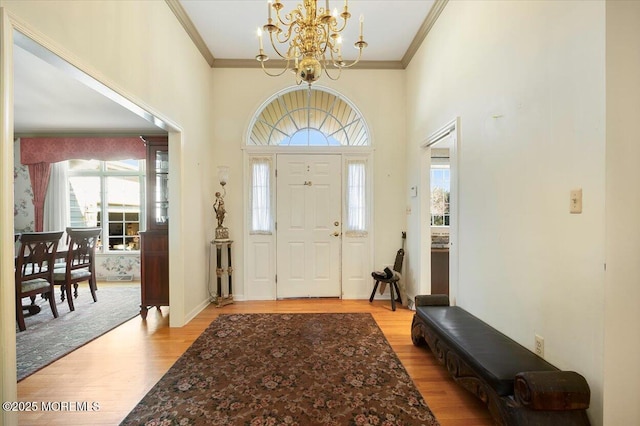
229	27
51	97
48	100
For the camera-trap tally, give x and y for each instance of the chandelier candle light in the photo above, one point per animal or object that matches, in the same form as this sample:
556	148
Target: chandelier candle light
313	38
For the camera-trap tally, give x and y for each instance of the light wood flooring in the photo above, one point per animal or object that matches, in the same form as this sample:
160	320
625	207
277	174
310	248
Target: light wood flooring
118	369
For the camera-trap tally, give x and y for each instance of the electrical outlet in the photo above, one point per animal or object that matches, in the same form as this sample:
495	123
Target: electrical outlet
539	347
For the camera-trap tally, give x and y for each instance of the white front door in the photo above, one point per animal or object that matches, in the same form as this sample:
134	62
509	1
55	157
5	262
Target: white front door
308	225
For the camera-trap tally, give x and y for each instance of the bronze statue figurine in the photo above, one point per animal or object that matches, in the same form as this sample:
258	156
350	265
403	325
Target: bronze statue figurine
222	233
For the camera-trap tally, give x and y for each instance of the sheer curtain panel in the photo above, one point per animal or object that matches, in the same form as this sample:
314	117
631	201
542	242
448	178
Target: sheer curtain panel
356	197
56	206
261	219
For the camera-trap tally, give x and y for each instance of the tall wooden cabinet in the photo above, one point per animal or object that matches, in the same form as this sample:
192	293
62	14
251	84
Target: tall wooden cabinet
155	240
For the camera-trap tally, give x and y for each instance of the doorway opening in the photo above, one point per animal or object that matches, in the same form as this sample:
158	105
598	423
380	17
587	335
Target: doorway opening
439	212
440	216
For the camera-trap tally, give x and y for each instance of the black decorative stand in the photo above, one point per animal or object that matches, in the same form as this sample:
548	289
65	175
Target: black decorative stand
224	270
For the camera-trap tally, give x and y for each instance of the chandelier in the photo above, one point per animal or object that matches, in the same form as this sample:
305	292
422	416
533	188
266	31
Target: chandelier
311	37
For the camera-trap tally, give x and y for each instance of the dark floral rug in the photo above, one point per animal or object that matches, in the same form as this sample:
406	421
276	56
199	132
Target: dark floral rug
286	369
47	339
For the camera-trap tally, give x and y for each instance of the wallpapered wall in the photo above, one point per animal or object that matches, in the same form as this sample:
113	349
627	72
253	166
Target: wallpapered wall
108	266
23	216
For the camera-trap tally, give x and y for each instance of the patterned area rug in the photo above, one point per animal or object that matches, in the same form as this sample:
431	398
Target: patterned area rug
286	369
47	339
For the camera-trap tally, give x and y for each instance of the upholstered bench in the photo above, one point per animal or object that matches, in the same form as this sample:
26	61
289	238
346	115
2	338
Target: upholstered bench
519	387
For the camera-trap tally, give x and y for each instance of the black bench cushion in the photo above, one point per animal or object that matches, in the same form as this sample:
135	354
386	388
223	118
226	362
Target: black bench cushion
492	355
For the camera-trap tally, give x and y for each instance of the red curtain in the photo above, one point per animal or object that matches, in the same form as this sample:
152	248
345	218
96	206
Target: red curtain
39	173
52	150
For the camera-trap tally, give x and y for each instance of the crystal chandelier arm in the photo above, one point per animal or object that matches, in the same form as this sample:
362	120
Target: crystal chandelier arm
333	24
334	49
344	65
279	37
325	40
291	18
285	69
283	37
326	69
275	48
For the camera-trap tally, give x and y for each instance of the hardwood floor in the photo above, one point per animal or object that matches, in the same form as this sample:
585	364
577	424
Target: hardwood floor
118	369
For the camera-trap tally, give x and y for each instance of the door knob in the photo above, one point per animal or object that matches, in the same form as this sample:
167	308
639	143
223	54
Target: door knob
335	234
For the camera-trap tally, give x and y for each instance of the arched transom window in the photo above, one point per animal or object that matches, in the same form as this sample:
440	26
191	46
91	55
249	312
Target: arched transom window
308	117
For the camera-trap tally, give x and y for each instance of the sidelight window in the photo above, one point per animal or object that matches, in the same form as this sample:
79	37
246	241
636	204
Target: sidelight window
260	205
356	197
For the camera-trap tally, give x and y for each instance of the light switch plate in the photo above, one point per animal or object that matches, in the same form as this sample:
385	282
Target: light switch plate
539	348
575	201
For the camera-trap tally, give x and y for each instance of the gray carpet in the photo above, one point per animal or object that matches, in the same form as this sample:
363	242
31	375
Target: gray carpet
48	339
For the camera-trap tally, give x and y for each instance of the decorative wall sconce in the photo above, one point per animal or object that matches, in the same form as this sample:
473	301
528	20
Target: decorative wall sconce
222	233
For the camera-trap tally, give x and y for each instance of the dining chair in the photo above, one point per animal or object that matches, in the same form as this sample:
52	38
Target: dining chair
60	261
34	271
79	264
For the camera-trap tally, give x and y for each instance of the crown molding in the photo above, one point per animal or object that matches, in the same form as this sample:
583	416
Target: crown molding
252	63
88	134
187	24
429	21
191	30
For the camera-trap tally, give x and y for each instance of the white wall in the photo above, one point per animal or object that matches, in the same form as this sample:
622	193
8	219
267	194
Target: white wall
379	95
622	294
139	49
527	80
